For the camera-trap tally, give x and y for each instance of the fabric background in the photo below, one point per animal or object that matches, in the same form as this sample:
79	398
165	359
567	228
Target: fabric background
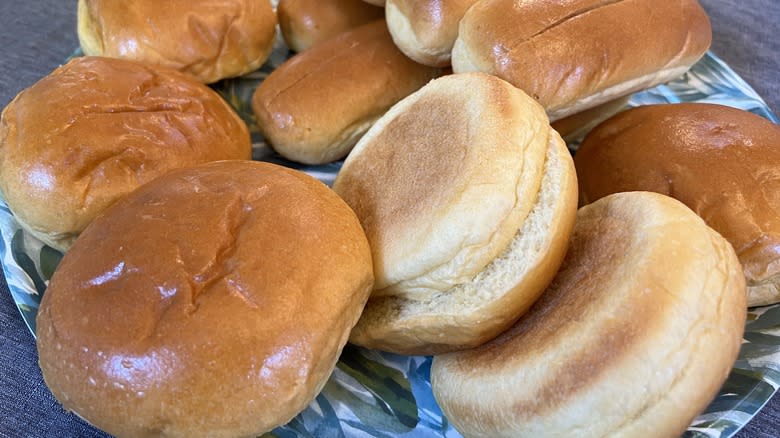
37	35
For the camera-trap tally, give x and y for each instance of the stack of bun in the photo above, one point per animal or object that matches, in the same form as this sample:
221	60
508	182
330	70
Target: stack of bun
467	197
214	298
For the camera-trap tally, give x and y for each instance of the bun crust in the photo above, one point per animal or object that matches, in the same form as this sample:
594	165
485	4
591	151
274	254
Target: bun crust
305	23
425	30
216	298
315	107
107	126
721	162
577	54
443	184
207	39
639	329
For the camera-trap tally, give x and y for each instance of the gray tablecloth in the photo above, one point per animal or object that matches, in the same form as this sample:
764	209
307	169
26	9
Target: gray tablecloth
36	35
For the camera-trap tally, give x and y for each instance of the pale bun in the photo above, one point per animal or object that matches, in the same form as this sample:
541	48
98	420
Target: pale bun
572	56
305	23
95	129
425	30
467	197
634	337
315	106
721	162
213	301
208	39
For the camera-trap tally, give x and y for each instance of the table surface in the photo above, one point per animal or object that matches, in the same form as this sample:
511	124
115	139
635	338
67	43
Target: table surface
37	35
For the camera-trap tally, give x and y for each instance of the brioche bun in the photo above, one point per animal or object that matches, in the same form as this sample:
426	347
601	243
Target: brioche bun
634	337
97	128
721	162
213	301
305	23
317	105
574	55
207	39
467	197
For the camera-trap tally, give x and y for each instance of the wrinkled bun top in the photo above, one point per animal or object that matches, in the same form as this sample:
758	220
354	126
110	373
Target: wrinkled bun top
438	208
634	337
213	301
722	162
97	128
209	39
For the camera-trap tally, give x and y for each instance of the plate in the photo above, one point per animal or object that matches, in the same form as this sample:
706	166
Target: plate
378	394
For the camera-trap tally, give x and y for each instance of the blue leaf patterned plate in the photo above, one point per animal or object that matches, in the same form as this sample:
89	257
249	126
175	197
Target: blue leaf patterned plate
376	394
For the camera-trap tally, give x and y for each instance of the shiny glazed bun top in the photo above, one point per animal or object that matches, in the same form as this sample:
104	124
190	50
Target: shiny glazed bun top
97	128
209	39
722	162
213	301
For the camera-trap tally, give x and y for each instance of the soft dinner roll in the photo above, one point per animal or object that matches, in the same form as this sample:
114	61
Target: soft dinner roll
425	30
315	107
305	23
97	128
467	197
633	338
213	301
576	54
575	126
723	163
209	39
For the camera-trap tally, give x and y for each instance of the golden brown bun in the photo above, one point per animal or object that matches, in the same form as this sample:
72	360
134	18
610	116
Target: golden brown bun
467	197
376	2
723	163
315	107
425	30
212	301
305	23
577	54
634	337
107	126
208	39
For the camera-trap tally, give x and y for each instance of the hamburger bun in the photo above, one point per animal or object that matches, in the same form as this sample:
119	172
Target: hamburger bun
97	128
213	301
425	30
634	337
315	106
467	197
721	162
574	55
305	23
207	39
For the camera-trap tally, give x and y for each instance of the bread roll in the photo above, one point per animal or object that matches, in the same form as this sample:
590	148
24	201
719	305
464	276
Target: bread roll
723	163
633	338
467	197
305	23
97	128
576	54
213	301
208	39
575	126
425	30
315	107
